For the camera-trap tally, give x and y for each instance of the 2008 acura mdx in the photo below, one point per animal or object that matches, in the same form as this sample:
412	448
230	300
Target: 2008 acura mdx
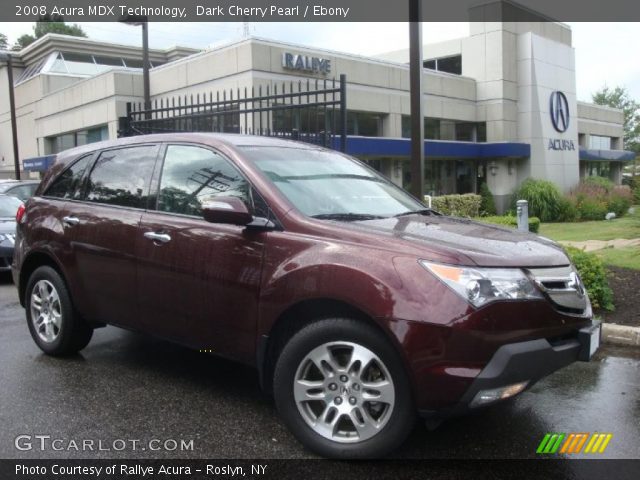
358	305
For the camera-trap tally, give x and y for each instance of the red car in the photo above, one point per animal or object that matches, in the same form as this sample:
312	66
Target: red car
358	305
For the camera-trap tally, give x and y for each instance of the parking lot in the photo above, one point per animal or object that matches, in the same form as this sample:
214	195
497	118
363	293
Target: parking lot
131	387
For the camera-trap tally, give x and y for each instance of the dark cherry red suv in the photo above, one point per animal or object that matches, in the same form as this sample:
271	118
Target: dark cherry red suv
358	305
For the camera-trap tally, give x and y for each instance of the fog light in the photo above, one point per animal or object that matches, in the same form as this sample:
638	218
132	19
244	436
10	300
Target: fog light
483	397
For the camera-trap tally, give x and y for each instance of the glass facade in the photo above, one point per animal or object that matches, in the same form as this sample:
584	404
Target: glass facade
452	64
75	139
597	169
597	142
444	129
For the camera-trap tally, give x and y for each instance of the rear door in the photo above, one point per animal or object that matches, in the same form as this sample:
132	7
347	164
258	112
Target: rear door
102	226
198	282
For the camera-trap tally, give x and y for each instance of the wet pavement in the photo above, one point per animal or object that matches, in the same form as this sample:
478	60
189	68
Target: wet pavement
132	387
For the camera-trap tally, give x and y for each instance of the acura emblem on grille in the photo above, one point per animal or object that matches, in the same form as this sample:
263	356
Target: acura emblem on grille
575	284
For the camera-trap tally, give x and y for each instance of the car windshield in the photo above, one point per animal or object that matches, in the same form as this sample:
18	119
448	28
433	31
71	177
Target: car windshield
9	206
329	185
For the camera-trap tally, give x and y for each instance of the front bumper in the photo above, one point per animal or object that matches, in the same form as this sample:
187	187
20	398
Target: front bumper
528	362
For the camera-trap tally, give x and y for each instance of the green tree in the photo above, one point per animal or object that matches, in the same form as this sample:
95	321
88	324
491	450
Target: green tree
48	24
619	97
23	41
3	41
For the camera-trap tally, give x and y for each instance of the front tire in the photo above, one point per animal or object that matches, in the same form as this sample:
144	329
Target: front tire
53	323
342	390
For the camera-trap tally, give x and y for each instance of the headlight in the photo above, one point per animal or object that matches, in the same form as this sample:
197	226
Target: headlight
3	237
480	286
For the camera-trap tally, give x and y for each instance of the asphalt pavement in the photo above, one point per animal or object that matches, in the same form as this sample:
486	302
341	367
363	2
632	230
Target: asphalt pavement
126	386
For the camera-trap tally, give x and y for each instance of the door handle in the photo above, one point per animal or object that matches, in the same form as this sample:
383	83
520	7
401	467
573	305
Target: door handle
157	237
70	221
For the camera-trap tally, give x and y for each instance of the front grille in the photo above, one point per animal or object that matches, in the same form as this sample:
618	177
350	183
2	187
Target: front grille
563	288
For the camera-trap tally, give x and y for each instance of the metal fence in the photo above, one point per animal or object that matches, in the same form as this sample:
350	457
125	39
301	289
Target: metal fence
313	111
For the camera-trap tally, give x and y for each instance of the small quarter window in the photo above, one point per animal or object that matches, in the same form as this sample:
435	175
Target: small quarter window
67	185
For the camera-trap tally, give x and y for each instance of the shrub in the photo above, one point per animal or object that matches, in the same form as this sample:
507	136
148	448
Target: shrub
636	194
543	197
567	210
594	277
620	199
594	197
599	182
467	205
592	208
511	221
487	205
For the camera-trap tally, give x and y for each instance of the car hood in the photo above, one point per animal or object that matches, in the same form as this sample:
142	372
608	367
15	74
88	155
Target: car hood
468	242
7	225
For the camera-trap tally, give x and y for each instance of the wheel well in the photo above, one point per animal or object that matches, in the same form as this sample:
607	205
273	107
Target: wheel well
294	319
30	264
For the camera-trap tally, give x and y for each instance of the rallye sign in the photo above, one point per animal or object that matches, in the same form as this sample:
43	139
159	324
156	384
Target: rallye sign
303	63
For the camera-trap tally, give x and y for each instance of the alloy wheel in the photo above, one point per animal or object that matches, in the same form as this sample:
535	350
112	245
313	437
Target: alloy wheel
46	311
344	392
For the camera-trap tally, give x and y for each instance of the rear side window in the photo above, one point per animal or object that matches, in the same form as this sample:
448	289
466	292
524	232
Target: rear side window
122	177
67	185
192	175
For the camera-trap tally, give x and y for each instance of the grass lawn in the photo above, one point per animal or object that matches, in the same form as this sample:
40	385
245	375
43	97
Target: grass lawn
628	257
625	227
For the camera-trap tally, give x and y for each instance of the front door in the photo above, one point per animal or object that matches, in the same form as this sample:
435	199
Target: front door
198	282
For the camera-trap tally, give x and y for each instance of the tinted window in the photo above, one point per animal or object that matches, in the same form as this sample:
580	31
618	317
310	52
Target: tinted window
122	177
67	184
192	175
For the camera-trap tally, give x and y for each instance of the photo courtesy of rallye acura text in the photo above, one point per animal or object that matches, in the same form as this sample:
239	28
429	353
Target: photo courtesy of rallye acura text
360	307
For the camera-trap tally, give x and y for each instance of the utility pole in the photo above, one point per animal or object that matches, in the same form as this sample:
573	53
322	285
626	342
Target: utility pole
5	56
417	109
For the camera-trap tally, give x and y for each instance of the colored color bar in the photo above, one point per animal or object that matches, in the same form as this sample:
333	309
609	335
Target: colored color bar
543	443
566	444
596	445
550	443
591	442
605	443
583	439
558	442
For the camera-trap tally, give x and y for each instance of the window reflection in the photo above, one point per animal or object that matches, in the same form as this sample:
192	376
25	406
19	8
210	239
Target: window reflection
192	175
121	177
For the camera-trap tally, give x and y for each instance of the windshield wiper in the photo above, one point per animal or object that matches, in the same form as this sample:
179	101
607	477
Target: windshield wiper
424	211
347	217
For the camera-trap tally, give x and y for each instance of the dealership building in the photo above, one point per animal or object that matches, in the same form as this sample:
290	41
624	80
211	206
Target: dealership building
500	105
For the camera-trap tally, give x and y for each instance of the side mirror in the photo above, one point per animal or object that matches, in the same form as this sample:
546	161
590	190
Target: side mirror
226	210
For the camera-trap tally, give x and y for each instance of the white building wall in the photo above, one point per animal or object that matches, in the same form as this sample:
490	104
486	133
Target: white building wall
546	66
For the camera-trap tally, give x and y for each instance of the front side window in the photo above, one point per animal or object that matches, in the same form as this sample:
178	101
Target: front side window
192	175
321	183
67	184
122	177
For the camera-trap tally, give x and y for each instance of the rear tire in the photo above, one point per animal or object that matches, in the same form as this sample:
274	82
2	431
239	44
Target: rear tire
342	390
53	323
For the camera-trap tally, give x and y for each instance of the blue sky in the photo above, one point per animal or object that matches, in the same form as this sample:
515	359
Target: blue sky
606	53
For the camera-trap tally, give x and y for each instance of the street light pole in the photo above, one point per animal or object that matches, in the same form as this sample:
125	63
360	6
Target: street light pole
417	110
143	21
145	68
12	107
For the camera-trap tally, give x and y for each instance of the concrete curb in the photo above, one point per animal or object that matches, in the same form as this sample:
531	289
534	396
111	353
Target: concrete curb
614	334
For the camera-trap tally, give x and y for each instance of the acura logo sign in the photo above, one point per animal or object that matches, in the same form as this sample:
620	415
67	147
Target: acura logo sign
559	110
